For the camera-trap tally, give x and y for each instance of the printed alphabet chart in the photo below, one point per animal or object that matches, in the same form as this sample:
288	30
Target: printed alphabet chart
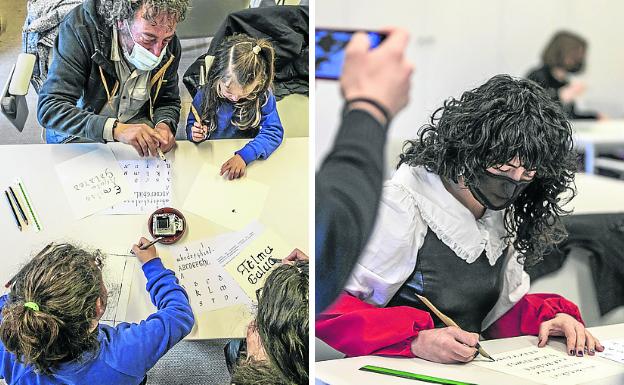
92	182
208	285
614	350
550	366
150	180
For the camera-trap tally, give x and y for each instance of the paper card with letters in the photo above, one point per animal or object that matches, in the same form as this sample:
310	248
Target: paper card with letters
614	350
117	271
550	366
92	182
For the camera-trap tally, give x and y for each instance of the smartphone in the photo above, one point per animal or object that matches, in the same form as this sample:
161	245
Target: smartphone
330	50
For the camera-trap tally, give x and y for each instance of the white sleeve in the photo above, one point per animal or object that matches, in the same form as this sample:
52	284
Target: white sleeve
390	254
516	284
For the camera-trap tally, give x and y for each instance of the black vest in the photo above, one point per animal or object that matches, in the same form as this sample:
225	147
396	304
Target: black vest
465	292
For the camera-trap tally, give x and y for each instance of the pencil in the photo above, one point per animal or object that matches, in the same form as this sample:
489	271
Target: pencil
411	376
19	205
276	260
197	117
28	204
19	225
449	322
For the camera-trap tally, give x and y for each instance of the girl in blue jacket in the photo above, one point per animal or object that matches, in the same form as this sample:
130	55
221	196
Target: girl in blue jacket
49	328
237	102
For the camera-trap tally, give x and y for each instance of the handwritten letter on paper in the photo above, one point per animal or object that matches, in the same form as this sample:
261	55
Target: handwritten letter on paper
614	350
230	203
252	265
550	366
92	182
206	282
150	180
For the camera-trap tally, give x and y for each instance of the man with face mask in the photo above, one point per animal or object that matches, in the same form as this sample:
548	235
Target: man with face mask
564	56
475	199
113	76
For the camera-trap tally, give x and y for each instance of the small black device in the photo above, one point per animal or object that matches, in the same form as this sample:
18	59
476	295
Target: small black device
166	224
330	50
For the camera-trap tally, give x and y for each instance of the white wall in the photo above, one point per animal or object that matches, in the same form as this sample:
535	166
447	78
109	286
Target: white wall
459	44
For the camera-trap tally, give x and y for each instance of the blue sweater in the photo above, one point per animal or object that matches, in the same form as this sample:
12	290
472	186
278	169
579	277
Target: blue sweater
127	351
265	139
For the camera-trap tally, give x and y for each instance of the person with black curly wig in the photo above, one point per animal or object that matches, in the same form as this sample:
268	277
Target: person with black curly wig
476	198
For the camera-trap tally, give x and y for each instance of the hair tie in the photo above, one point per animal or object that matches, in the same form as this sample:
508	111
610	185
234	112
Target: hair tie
32	305
256	49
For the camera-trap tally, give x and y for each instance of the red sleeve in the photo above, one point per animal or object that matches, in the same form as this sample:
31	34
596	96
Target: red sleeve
357	328
528	314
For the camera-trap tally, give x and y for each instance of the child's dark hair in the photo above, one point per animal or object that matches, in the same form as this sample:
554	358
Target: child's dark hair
64	282
283	323
244	59
491	125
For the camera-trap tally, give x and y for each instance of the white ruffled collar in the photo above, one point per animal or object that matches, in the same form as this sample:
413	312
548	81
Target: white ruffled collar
451	221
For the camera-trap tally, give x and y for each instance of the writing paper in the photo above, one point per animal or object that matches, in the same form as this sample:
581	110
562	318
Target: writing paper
550	366
614	350
250	266
150	182
117	272
206	282
92	182
229	203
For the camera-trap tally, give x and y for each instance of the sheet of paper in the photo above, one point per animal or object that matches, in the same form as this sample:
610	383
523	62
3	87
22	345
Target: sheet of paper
92	182
117	272
614	350
251	265
150	182
230	203
207	283
550	366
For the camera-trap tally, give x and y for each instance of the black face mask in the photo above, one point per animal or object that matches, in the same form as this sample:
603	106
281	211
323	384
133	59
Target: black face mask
497	192
576	67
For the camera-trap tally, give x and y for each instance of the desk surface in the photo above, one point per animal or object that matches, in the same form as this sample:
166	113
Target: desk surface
345	371
603	133
597	194
285	211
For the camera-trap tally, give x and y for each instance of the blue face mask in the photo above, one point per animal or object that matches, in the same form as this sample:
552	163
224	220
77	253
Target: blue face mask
140	57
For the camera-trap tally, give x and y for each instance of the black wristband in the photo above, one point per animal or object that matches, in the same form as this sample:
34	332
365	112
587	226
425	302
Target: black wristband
372	102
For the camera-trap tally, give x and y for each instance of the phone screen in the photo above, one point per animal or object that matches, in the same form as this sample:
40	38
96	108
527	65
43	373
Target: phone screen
330	49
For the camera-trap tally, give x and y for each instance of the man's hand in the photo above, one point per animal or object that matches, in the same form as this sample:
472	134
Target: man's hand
382	74
235	167
142	137
296	256
199	132
446	345
146	255
167	140
578	339
572	91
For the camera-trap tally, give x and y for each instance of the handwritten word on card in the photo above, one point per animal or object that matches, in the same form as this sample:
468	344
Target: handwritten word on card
92	182
252	265
614	350
229	203
550	366
150	181
206	282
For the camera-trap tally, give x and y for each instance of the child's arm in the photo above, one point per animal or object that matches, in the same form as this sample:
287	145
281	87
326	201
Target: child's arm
195	133
134	348
270	136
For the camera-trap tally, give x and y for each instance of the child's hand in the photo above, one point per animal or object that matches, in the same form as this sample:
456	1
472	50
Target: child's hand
199	132
146	255
296	256
235	167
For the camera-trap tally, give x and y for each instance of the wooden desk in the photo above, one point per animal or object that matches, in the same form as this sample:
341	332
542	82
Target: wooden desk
591	136
285	211
345	371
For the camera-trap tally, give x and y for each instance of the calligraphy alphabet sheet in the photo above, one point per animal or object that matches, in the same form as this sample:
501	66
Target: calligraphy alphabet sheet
614	350
92	182
550	366
150	181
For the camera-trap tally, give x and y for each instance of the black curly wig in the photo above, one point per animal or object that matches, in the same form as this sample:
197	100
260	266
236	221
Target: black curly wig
490	126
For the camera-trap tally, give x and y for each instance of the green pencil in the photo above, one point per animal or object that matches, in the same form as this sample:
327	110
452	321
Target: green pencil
29	204
412	376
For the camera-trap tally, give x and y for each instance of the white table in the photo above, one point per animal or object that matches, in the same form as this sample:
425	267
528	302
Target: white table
285	211
597	195
591	136
346	371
